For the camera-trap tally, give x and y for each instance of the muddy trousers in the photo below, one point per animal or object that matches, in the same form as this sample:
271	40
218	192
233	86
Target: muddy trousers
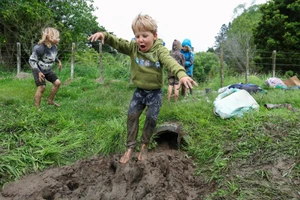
152	99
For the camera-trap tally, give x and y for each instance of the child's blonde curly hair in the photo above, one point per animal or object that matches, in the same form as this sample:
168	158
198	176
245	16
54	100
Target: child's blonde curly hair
48	34
144	23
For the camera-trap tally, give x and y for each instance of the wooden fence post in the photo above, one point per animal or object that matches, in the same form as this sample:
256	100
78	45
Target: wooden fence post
72	62
18	57
221	68
273	62
247	66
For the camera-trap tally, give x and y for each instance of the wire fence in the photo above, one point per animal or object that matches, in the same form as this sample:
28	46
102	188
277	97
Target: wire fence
13	56
10	53
16	56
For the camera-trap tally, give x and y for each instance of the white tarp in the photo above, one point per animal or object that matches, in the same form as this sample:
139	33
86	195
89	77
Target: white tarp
234	102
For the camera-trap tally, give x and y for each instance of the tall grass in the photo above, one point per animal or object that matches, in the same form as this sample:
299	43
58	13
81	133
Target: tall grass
92	120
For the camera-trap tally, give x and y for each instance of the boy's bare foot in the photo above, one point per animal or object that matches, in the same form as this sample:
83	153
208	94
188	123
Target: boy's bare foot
53	103
127	156
143	153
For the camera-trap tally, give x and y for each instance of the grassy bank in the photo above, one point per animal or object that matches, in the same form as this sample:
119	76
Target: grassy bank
240	155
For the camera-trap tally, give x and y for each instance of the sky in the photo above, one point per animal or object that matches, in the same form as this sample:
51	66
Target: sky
199	21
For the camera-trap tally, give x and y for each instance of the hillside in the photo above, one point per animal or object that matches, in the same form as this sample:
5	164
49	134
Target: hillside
72	152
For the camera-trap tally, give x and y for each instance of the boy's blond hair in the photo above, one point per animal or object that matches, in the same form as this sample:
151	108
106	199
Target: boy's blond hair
144	23
53	33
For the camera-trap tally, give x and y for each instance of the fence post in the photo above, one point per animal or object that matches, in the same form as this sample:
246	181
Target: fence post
247	66
100	63
72	62
221	68
18	57
274	62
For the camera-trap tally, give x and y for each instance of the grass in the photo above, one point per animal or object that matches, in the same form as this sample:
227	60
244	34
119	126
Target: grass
237	154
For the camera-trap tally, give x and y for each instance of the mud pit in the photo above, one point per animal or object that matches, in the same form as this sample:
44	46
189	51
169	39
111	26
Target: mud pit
167	174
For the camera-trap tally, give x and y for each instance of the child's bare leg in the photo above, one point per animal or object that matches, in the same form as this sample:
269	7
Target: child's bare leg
176	92
38	95
170	88
143	153
127	156
53	92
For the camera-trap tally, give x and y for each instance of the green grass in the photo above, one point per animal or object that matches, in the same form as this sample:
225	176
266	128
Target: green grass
234	153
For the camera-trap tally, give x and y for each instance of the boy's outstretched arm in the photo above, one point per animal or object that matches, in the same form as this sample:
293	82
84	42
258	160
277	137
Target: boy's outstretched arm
97	36
187	81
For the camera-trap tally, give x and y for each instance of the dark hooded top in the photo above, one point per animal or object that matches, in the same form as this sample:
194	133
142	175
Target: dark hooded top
176	54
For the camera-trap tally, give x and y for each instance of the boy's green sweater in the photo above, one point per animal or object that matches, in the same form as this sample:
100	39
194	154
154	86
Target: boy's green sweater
147	67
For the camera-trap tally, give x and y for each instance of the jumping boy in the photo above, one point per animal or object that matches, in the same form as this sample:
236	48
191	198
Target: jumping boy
148	57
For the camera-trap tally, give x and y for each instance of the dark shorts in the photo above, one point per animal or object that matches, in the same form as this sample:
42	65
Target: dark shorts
173	81
51	77
142	98
152	99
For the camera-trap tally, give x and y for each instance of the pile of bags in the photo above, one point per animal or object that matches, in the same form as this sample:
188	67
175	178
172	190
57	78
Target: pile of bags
234	102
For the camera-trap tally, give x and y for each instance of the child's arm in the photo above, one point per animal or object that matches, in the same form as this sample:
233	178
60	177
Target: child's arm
59	63
97	36
190	62
173	66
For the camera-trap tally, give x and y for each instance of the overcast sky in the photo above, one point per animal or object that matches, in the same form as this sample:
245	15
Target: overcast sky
198	20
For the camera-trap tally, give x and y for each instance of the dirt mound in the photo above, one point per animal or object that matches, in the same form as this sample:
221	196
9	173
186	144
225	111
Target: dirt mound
167	174
23	75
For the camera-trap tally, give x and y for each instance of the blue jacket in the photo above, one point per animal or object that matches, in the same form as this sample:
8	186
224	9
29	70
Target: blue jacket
189	57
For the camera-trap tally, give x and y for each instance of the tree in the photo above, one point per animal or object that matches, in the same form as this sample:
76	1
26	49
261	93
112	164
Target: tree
74	19
206	66
240	37
22	21
279	29
221	37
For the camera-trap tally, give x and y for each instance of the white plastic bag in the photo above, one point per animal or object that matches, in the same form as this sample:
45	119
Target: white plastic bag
234	102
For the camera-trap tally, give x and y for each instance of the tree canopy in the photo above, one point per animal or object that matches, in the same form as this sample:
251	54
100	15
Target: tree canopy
259	30
279	30
22	21
237	37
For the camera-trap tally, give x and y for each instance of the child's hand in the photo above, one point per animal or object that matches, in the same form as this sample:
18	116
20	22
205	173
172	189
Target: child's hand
96	36
41	76
187	81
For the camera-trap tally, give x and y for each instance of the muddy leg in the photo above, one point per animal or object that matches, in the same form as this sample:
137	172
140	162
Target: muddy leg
53	92
38	95
143	153
127	156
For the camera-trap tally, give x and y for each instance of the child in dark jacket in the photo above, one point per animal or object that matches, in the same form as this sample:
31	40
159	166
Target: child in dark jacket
43	56
173	80
148	57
